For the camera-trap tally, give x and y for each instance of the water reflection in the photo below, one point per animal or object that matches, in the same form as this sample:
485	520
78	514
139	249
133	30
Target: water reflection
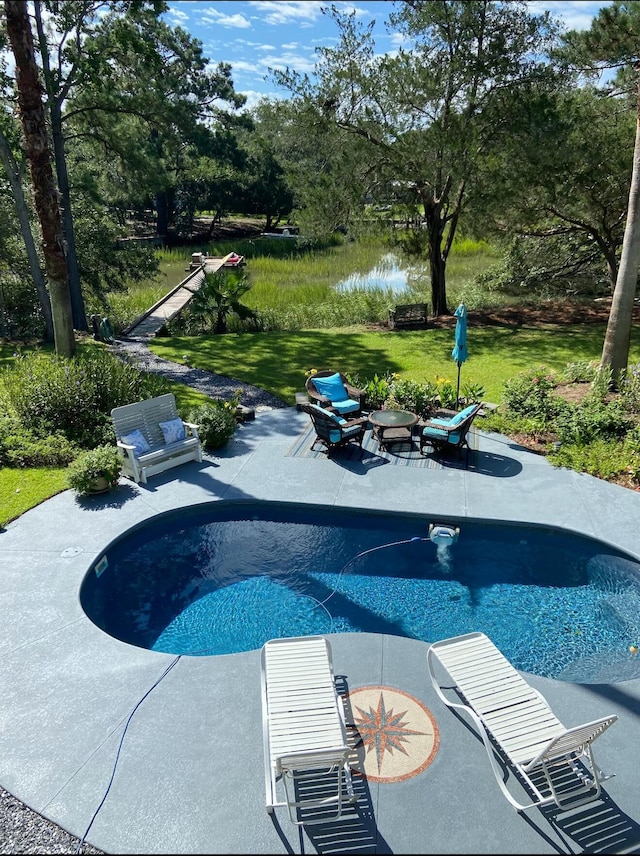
389	273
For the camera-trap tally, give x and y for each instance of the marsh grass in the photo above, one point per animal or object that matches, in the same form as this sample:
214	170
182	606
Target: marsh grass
292	282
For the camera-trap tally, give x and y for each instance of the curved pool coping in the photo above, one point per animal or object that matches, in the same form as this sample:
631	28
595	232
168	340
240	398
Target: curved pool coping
189	766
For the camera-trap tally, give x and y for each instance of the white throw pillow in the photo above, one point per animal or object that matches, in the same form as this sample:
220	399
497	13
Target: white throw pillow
136	438
173	430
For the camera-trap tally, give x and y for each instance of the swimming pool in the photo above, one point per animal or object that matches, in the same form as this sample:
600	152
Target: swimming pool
227	576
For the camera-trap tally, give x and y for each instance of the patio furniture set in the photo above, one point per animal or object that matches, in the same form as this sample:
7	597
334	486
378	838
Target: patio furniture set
337	410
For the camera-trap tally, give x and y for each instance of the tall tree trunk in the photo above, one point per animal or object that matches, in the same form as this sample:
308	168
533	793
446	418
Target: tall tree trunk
44	186
162	214
615	353
437	261
15	180
54	100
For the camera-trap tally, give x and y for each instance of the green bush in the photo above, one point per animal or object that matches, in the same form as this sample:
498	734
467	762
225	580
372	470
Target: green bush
471	392
92	464
531	394
75	396
420	398
376	389
629	387
580	371
216	422
592	419
602	458
22	449
446	392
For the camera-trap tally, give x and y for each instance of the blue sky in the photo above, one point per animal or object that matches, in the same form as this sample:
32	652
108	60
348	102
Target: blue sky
256	35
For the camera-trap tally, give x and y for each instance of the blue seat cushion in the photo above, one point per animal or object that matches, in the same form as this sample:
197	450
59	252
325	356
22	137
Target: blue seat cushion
352	431
346	406
460	417
327	414
331	387
437	434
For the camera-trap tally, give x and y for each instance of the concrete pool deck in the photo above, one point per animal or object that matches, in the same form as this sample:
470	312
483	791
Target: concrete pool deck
166	756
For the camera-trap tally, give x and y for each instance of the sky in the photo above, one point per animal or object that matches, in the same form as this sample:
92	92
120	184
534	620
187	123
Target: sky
256	35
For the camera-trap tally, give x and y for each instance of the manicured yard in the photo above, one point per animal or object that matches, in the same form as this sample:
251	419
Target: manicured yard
277	361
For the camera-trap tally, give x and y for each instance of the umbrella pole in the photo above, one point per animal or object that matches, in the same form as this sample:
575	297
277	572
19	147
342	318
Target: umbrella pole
458	388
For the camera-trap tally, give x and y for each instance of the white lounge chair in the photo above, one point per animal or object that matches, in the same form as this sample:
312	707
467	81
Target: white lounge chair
554	763
305	737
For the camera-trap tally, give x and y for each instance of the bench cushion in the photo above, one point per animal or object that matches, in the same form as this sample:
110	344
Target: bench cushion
136	439
172	430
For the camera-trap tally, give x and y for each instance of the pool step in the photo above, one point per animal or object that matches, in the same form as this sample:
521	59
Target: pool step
624	607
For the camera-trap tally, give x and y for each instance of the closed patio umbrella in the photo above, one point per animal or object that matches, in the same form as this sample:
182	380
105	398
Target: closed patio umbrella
459	352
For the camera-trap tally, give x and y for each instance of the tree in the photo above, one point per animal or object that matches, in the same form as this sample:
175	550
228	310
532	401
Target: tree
151	99
44	187
559	176
14	174
14	161
422	113
326	172
614	39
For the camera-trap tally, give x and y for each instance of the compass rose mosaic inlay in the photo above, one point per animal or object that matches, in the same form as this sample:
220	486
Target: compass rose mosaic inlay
395	735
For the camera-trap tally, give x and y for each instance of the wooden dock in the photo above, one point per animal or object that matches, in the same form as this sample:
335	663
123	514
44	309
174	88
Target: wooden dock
173	302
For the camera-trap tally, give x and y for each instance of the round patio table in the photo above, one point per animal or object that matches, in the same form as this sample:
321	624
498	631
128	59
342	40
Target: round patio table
393	426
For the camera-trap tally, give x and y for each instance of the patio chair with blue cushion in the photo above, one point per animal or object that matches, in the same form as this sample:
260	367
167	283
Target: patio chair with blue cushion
452	432
332	391
333	430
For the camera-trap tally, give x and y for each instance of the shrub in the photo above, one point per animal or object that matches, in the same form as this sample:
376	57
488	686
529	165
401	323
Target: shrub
531	394
471	392
411	395
629	387
216	422
580	371
74	396
446	392
103	461
591	420
22	449
376	389
602	458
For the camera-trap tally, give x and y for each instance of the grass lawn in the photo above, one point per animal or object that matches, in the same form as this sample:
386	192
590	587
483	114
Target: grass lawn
22	489
277	361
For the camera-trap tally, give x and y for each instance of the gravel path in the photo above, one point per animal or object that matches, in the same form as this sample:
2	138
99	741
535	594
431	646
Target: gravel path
23	830
217	386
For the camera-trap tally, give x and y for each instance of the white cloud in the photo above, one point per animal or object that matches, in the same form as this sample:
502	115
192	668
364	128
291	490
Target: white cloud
177	15
575	14
296	62
360	12
212	16
300	12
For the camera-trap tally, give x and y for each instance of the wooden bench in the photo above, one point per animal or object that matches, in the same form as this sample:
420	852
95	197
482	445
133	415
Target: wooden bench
146	417
408	315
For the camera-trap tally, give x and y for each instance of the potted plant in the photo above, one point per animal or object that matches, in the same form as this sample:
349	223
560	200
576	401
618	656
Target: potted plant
94	471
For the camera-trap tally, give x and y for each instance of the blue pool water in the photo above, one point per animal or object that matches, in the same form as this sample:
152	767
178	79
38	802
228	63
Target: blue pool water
226	577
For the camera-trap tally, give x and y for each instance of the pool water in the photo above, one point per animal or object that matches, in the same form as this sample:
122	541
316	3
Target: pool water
227	577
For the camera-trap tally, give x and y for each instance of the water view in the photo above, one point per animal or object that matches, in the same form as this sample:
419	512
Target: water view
389	273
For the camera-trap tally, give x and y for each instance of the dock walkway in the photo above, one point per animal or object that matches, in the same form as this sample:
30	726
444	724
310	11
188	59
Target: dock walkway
173	302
